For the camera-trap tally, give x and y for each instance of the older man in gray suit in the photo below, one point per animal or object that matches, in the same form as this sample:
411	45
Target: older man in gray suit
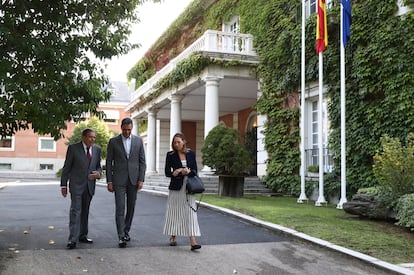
82	167
125	174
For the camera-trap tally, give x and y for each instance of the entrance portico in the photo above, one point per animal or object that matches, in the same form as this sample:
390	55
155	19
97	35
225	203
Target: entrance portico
217	94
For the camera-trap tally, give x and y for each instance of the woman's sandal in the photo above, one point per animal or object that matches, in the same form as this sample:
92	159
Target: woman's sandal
195	247
173	242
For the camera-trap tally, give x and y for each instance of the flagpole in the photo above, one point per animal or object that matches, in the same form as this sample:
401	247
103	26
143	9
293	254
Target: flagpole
321	197
343	118
302	196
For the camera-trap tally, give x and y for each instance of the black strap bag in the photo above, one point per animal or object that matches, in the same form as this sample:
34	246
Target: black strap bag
195	185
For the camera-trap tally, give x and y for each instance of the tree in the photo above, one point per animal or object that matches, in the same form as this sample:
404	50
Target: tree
103	134
50	59
223	153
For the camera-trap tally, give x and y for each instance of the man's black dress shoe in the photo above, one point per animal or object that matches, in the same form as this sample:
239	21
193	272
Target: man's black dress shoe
127	237
85	240
71	245
122	243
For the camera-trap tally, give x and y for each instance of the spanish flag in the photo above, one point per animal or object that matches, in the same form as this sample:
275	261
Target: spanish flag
321	28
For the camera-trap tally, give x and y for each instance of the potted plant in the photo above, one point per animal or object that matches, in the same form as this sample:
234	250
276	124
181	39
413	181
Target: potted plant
313	171
230	160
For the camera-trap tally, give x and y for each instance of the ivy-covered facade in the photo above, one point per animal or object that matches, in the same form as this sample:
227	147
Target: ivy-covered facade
379	78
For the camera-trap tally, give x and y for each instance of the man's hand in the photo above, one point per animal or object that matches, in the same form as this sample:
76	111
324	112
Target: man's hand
140	184
110	187
64	191
94	175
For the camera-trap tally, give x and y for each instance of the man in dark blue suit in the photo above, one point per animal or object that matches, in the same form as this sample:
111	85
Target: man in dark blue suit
82	167
125	174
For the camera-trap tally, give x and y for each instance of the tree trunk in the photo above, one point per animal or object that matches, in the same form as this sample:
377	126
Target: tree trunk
231	186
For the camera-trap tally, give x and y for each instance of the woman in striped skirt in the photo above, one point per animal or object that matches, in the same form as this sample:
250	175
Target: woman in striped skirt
180	219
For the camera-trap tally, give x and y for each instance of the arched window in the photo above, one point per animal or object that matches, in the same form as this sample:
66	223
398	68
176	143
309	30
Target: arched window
251	122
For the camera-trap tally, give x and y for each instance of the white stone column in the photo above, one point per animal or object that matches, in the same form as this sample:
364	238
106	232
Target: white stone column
135	126
151	141
262	155
175	117
211	108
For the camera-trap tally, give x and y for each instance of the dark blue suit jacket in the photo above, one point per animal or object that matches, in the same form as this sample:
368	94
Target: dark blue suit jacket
173	162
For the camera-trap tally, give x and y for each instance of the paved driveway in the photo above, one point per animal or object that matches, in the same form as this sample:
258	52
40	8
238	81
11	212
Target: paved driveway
34	230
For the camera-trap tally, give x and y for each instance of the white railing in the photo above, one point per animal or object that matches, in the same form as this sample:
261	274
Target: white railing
211	41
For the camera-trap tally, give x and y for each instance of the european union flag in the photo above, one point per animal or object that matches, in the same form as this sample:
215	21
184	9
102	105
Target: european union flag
347	20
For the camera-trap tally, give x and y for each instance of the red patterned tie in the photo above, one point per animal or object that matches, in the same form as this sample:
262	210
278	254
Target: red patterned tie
88	155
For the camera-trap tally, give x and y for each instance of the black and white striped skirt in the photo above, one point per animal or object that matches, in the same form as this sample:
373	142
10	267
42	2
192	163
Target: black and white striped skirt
180	220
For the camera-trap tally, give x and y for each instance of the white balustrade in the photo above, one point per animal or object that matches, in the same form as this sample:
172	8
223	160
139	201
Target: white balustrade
212	41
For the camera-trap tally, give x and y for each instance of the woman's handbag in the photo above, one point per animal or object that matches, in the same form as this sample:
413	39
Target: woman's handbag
194	185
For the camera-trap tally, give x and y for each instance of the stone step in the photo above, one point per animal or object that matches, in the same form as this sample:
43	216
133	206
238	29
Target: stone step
252	185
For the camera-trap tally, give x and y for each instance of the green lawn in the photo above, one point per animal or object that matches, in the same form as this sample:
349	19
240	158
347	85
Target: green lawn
379	239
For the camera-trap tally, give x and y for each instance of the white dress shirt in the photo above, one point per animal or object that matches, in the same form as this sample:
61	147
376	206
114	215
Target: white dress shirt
127	145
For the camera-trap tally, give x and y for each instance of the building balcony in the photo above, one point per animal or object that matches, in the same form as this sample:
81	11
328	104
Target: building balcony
215	44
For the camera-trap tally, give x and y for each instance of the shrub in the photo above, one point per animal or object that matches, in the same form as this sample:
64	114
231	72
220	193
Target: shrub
332	185
223	153
405	211
313	168
372	191
394	166
103	134
59	173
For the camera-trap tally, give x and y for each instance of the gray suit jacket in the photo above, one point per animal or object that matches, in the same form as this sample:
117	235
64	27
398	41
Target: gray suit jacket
119	168
76	168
